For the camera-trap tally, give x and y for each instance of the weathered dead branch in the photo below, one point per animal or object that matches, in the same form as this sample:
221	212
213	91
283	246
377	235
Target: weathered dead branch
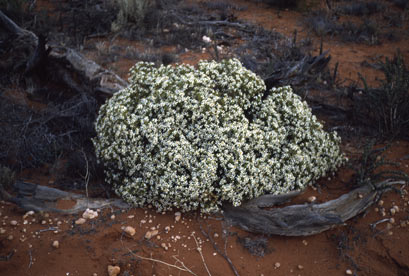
293	220
61	64
303	220
44	199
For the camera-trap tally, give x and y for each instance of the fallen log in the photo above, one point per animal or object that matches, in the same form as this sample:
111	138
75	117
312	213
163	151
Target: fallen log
61	65
40	198
293	220
306	219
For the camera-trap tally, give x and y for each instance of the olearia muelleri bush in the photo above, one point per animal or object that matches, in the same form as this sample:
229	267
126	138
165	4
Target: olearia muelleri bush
190	138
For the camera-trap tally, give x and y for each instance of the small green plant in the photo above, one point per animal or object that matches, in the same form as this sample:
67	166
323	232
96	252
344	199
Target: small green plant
389	104
369	167
193	138
131	12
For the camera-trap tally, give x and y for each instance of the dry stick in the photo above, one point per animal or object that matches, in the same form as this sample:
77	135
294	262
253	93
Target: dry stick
31	259
86	177
199	249
224	255
183	267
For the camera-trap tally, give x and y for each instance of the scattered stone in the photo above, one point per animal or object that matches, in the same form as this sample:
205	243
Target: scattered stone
390	233
178	216
277	265
216	235
376	209
300	267
43	222
143	221
151	234
167	229
10	237
90	214
158	237
130	230
348	272
29	213
380	203
393	211
360	195
13	222
113	270
402	223
164	246
312	199
56	244
392	220
131	216
304	242
2	230
113	217
396	207
80	221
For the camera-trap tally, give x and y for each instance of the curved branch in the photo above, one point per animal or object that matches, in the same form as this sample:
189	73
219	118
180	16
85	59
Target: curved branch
307	219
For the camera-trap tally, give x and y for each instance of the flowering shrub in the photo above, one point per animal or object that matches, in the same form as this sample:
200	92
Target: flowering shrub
180	137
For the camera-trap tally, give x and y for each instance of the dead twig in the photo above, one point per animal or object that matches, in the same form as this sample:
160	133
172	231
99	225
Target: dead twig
31	259
7	257
199	249
86	176
182	266
49	229
223	254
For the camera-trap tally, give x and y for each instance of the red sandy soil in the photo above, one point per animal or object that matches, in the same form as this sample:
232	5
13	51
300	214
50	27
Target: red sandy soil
89	248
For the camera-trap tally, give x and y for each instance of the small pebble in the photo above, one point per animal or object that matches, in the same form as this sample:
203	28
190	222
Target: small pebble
89	214
396	207
80	221
112	217
393	211
2	230
178	216
380	203
131	216
113	270
277	265
130	230
304	242
13	222
312	199
392	220
151	234
56	244
164	246
300	267
10	237
348	272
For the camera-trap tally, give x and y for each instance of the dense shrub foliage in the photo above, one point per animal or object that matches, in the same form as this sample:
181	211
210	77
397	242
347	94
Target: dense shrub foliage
180	137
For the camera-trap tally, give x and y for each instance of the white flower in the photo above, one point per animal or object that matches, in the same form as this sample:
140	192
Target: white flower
180	137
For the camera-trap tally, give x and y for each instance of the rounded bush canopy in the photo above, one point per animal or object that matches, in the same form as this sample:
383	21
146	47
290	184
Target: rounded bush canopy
190	138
